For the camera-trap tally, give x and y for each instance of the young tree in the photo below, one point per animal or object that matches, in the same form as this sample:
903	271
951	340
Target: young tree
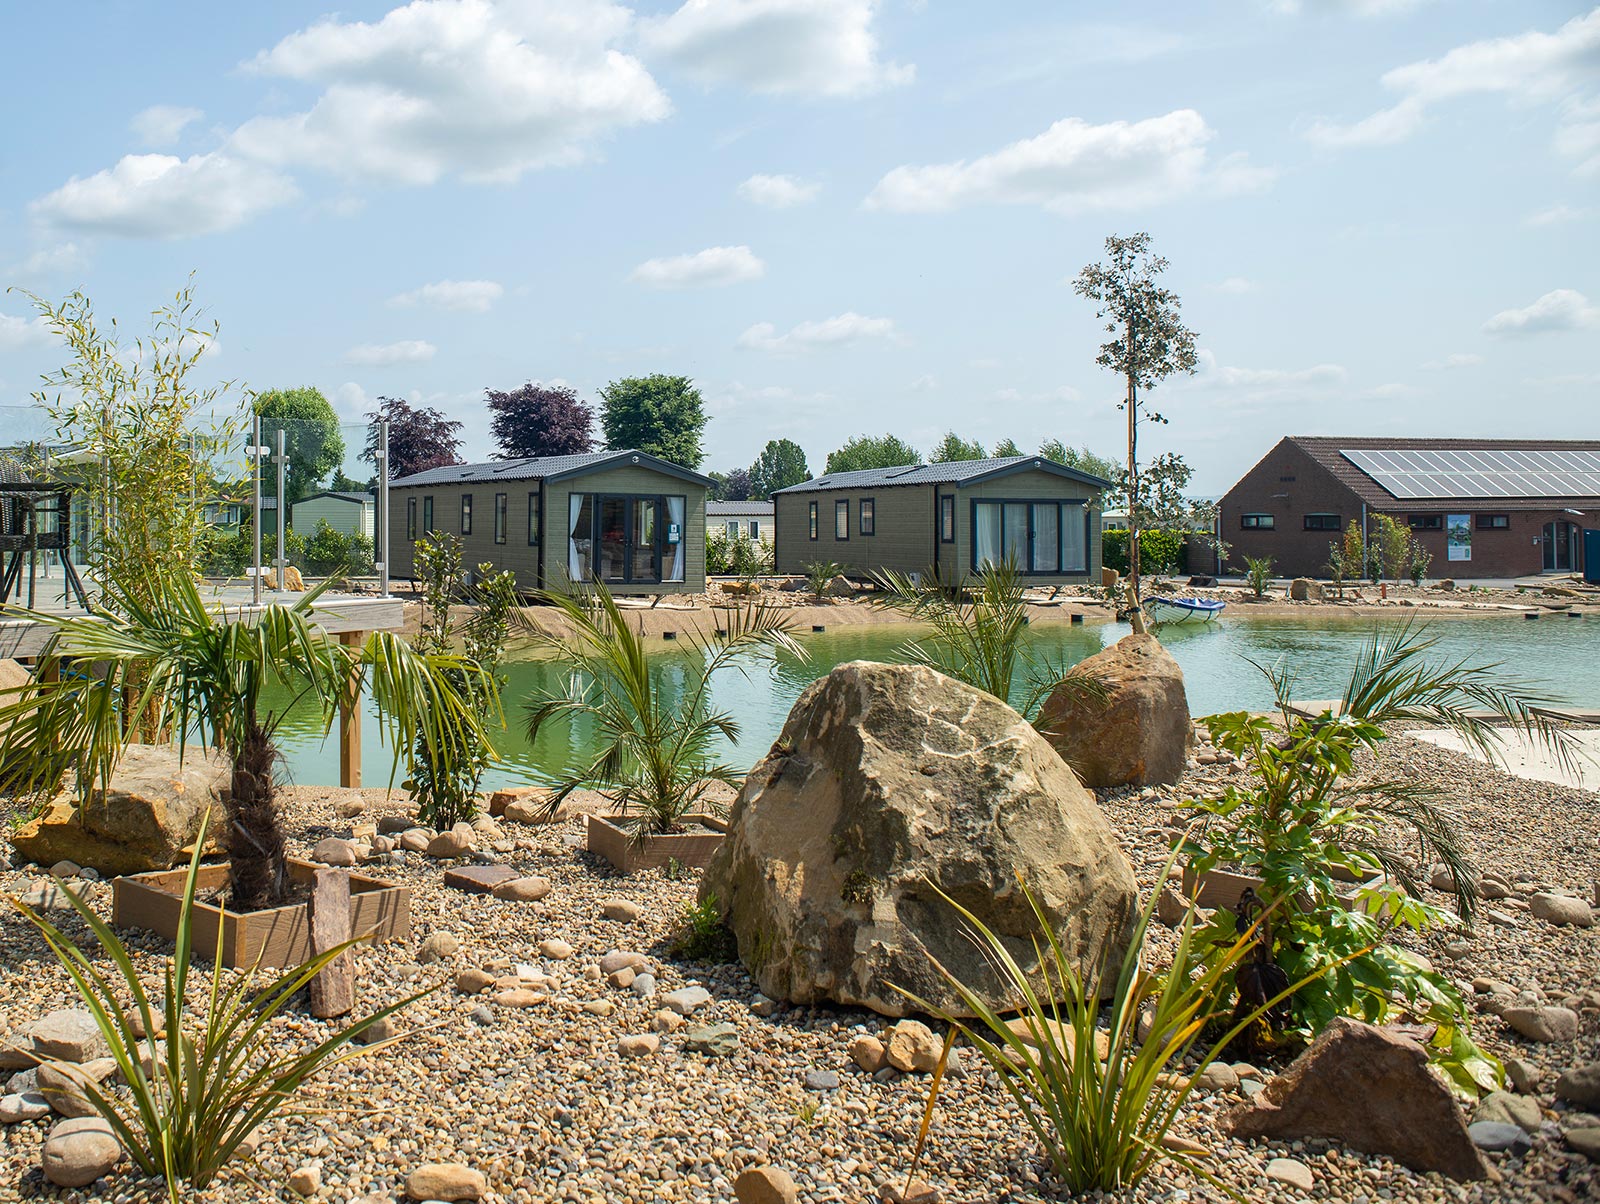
314	443
1006	447
870	451
1149	343
661	415
420	437
540	420
953	447
781	464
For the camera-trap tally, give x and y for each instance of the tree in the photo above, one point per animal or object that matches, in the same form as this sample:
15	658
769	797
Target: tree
781	464
344	484
660	415
540	420
953	447
1149	343
420	437
1085	460
1006	447
731	486
313	442
870	451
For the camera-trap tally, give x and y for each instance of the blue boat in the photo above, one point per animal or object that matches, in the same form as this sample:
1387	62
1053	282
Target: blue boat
1183	610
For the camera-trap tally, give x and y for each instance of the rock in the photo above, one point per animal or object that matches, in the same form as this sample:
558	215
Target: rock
599	1007
918	1191
378	1031
622	910
306	1181
68	1035
621	979
79	1151
416	840
1543	1023
555	950
687	1000
522	890
449	1181
472	980
394	825
147	820
912	1046
1171	907
765	1185
839	587
763	1007
623	959
437	947
839	832
64	1085
1137	736
1370	1090
336	852
666	1022
1585	1139
821	1080
639	1045
1580	1086
349	804
1303	589
1498	1137
644	985
1448	584
449	845
1524	1075
51	896
1505	1108
22	1105
1218	1076
519	997
718	1040
867	1052
478	879
1291	1170
1561	909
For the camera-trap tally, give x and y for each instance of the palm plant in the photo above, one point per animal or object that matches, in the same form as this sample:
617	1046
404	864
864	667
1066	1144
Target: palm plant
1258	572
163	657
656	752
819	574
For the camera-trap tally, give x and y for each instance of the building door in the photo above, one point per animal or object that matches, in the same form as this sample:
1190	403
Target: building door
1561	553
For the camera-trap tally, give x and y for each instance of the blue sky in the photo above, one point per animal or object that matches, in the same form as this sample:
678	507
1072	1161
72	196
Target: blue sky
837	216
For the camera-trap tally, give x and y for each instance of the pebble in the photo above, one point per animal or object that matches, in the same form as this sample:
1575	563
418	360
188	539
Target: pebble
473	980
639	1045
912	1046
666	1022
622	959
1498	1137
867	1052
717	1040
1291	1171
687	1000
437	947
765	1185
1561	909
449	1181
622	910
555	950
644	985
306	1181
79	1151
522	890
822	1080
1543	1023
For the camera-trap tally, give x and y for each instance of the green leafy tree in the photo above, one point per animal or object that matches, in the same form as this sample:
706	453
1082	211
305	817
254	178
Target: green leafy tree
781	464
313	442
1006	447
870	451
661	415
1148	344
1087	461
953	447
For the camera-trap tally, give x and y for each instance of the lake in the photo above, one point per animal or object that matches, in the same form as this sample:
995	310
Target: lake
1558	656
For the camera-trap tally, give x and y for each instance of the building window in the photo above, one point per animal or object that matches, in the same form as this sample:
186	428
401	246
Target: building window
841	519
1045	537
1494	522
947	518
466	514
427	514
625	538
869	517
813	520
533	519
733	528
1323	522
1257	522
1425	522
755	529
499	518
411	518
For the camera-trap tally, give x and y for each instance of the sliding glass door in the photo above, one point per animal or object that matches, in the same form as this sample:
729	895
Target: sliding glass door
626	539
1041	537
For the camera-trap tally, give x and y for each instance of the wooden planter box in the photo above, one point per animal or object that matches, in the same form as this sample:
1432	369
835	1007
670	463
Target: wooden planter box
1222	888
277	937
688	848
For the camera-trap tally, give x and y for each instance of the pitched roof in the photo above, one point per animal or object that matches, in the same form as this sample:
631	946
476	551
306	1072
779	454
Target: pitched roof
545	468
957	472
344	495
1328	452
748	506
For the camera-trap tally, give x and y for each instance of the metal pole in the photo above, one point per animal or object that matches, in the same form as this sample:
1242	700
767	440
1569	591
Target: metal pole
255	512
281	559
383	507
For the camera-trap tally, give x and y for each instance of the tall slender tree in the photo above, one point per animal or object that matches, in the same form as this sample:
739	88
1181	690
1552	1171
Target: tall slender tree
1149	342
540	420
420	437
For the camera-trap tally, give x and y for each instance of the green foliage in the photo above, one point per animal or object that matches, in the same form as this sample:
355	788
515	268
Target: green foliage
737	555
225	552
820	574
312	439
1159	551
655	758
953	447
872	451
1006	447
1258	573
1418	558
1391	540
658	414
1339	568
702	936
194	1097
329	552
294	545
1084	460
781	464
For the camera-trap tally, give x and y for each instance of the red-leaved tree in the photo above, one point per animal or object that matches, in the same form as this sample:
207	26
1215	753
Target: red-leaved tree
420	437
540	420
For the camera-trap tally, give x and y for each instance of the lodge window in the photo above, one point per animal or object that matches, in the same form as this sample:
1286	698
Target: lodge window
755	528
869	517
812	513
1323	522
1494	522
1425	522
947	518
411	519
841	519
733	528
499	518
1040	536
625	538
533	519
427	514
1257	522
466	514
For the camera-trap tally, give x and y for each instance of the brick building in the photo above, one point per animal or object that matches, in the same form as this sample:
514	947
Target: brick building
1482	507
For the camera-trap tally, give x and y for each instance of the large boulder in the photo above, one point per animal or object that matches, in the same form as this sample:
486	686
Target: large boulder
1135	734
147	820
1304	589
1370	1090
887	782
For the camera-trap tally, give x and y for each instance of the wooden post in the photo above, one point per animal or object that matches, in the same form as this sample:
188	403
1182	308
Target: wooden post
333	992
350	724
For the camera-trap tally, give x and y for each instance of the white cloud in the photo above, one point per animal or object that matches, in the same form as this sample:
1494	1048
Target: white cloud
1318	376
1236	285
1074	167
924	383
352	402
817	47
470	296
1358	8
163	125
1461	359
778	192
1527	69
1557	214
406	351
1558	310
47	261
839	331
711	268
162	196
456	86
18	333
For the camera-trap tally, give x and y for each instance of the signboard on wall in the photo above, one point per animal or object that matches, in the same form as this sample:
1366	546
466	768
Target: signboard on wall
1458	537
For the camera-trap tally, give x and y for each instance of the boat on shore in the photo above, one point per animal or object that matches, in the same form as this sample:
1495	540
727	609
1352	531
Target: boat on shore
1184	610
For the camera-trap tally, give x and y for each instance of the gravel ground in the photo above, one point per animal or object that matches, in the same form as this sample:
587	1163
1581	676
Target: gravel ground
543	1103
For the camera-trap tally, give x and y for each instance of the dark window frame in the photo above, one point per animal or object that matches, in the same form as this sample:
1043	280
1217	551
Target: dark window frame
841	520
500	517
411	519
427	514
535	534
947	518
755	528
1336	525
815	520
1492	522
1245	523
659	545
466	514
1425	522
1062	504
867	515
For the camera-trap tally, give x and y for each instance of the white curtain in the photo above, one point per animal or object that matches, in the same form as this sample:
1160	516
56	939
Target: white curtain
577	559
1074	552
675	513
988	532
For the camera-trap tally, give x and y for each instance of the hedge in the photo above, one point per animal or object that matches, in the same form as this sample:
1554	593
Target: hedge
1159	551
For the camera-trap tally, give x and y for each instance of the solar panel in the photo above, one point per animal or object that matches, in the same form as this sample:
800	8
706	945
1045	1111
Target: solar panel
1481	472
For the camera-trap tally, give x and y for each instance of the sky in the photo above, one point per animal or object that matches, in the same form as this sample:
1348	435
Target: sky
837	216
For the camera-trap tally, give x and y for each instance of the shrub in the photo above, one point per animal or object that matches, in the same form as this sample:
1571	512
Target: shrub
702	936
224	552
820	574
1258	572
1159	551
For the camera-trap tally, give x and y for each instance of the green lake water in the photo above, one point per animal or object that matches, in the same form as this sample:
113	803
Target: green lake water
1558	656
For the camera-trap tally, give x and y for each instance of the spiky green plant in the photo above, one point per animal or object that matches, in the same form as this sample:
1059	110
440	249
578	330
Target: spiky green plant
1258	574
820	574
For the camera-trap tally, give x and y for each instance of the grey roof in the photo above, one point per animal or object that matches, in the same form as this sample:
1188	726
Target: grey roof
749	506
957	472
546	468
344	495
